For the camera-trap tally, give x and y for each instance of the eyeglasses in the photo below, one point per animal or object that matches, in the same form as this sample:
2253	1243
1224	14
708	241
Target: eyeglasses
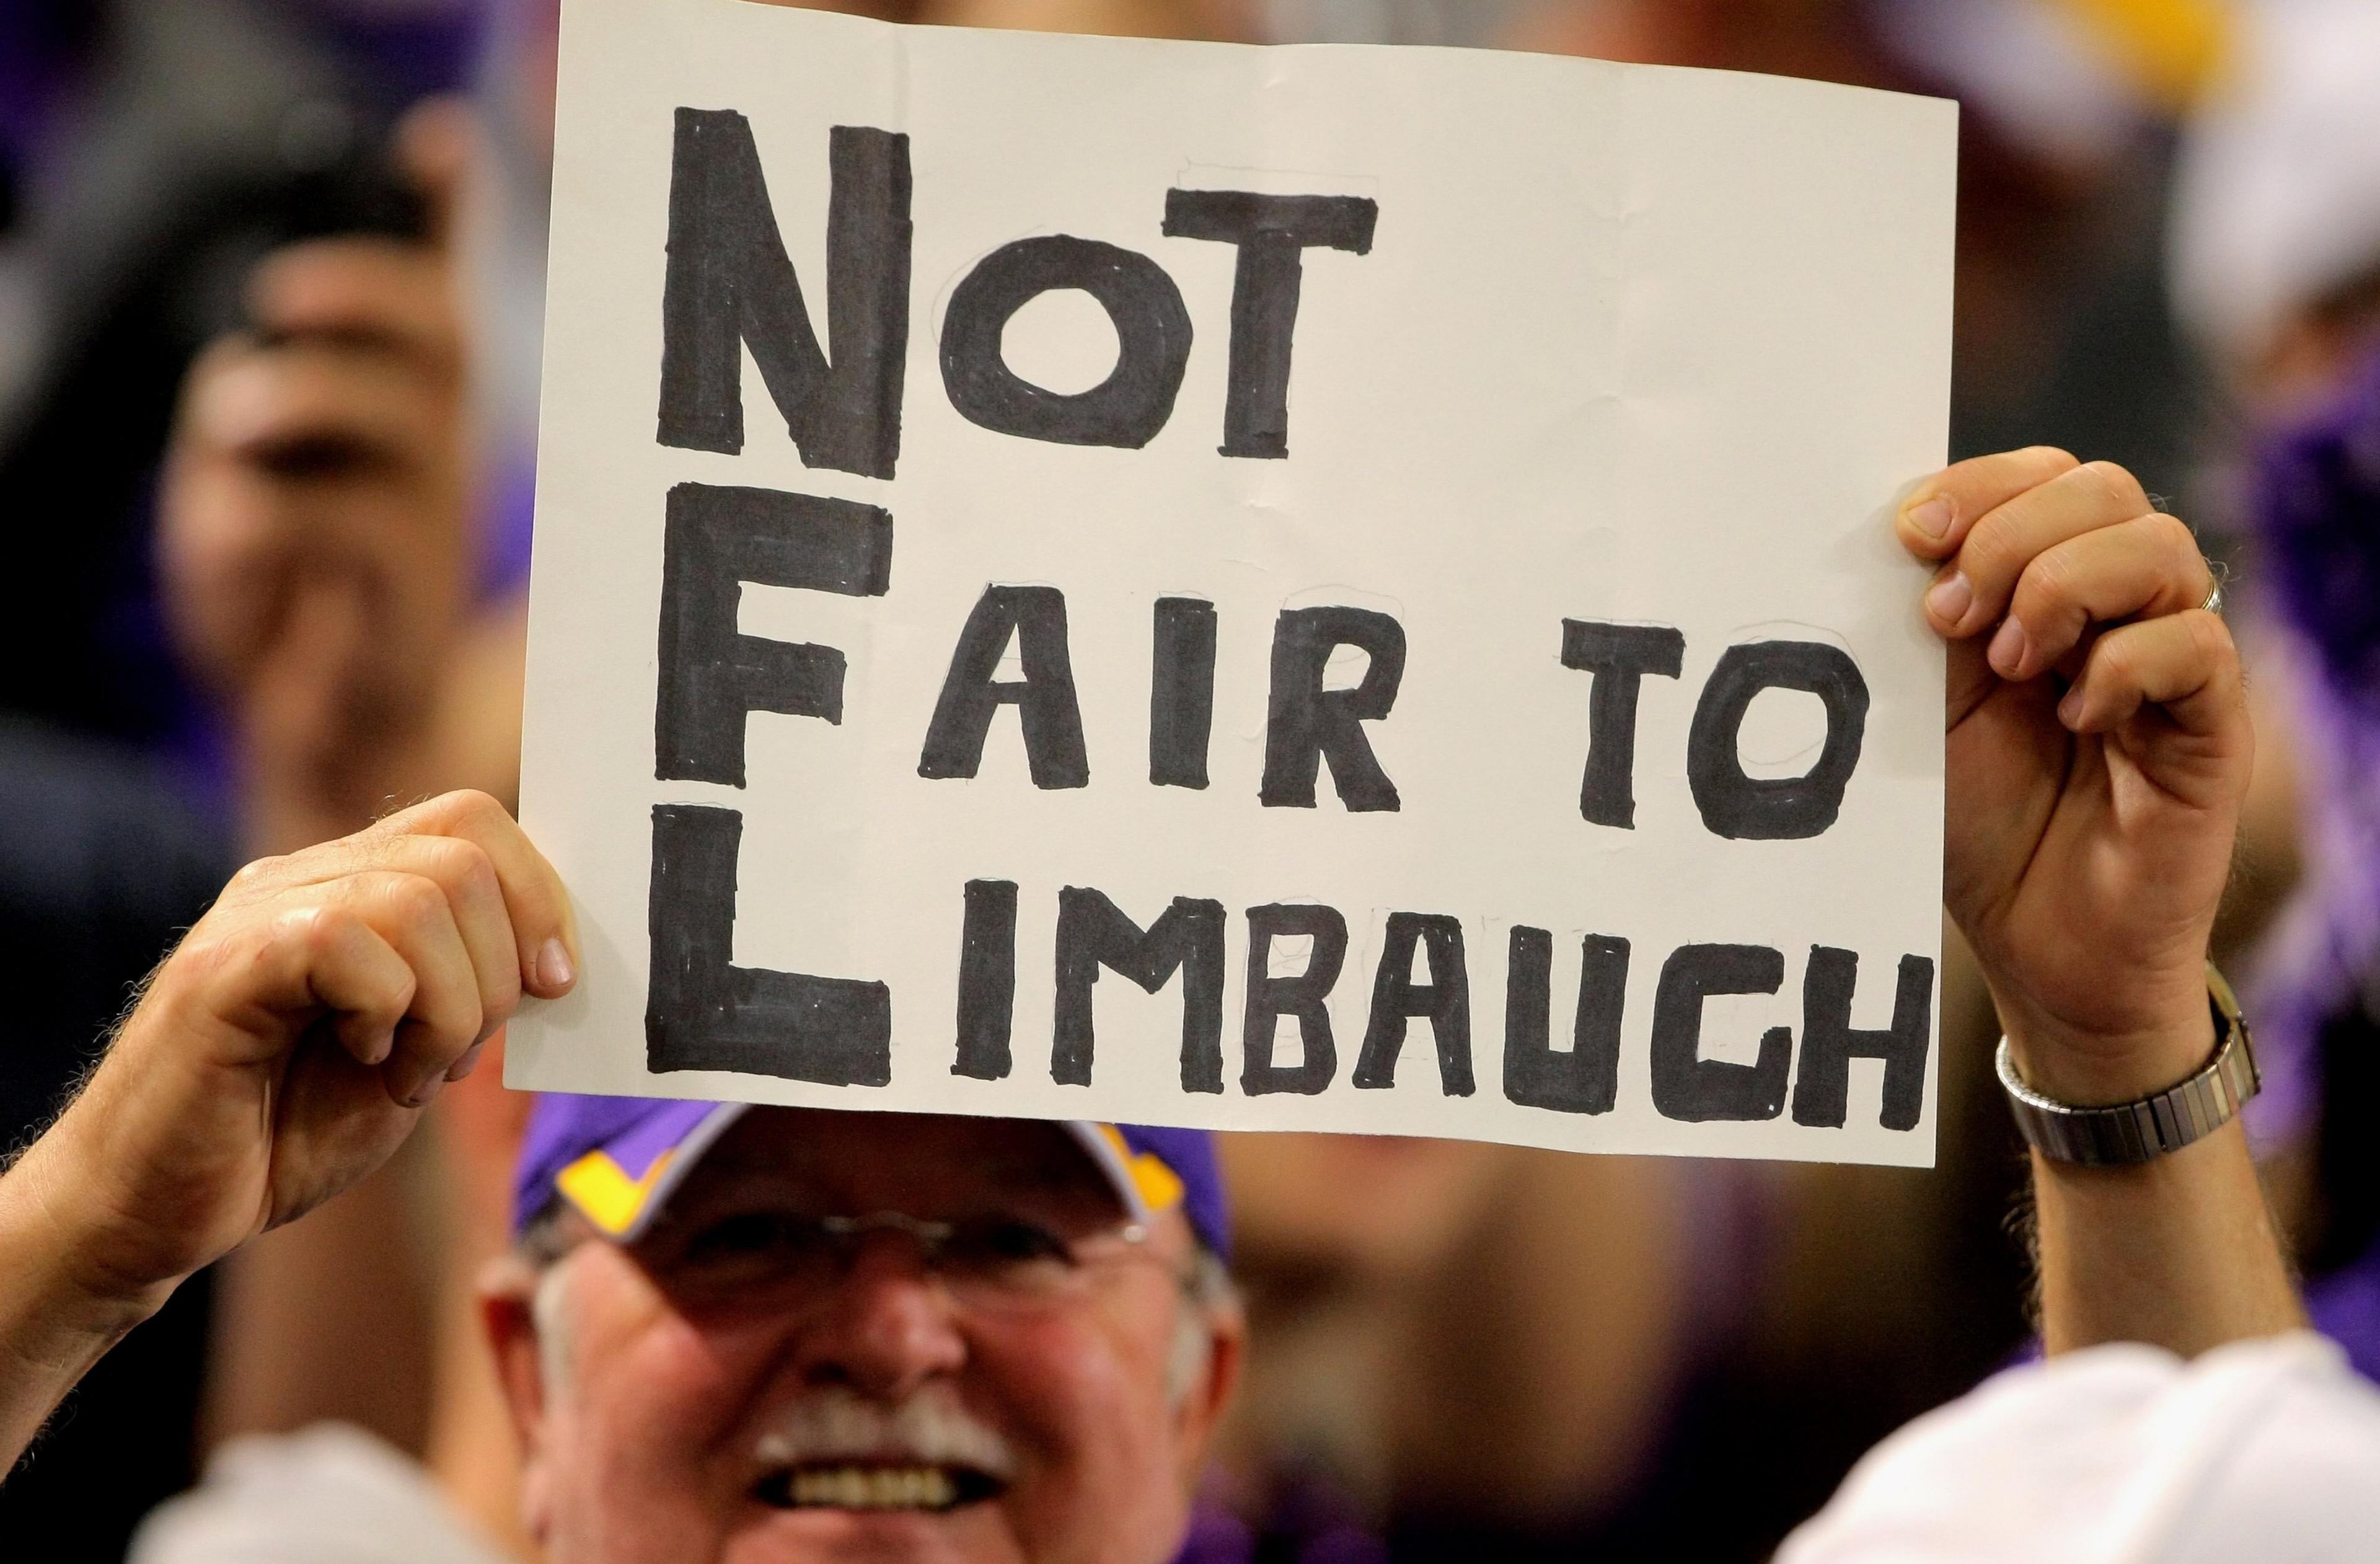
1001	1263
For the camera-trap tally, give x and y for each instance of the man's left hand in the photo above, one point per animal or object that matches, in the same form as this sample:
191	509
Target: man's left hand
2098	752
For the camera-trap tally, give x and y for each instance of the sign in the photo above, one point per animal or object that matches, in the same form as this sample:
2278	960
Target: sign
1296	589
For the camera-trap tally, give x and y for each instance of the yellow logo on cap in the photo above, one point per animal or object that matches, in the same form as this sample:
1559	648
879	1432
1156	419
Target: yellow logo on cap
602	1188
1160	1187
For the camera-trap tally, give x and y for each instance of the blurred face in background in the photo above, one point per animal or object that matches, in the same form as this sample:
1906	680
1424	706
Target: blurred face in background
719	1391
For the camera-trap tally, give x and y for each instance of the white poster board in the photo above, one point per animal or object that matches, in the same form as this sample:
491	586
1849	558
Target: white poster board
1384	550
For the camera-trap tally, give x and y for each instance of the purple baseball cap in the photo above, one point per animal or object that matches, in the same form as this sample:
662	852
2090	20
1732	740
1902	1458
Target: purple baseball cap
616	1159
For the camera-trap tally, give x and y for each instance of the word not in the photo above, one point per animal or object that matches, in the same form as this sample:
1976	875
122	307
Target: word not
731	285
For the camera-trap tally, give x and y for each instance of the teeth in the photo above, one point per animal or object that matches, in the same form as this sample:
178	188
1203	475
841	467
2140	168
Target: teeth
875	1487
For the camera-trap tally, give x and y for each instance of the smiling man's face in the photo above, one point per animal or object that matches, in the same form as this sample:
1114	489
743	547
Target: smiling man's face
713	1394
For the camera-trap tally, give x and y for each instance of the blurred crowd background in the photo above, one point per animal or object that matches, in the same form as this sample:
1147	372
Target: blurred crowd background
270	276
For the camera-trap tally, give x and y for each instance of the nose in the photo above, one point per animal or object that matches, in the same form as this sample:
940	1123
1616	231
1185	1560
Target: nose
887	1327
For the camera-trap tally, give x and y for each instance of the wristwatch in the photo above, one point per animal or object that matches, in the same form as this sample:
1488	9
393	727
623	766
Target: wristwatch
2140	1132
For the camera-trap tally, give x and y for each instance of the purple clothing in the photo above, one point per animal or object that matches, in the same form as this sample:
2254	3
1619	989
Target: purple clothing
1309	1522
2345	1306
2316	505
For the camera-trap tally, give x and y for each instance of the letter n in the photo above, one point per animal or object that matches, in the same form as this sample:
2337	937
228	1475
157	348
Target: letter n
730	284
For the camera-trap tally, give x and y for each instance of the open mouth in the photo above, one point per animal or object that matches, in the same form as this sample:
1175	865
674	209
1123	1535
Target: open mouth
875	1486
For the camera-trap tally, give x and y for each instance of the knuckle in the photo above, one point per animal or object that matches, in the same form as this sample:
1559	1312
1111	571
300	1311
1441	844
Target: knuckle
257	873
418	902
207	953
2048	581
2210	639
2117	660
458	864
478	873
2116	487
2173	534
464	810
315	928
475	807
1991	552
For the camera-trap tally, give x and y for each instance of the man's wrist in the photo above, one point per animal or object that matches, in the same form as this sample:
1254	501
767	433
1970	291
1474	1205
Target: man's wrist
2098	1071
51	1248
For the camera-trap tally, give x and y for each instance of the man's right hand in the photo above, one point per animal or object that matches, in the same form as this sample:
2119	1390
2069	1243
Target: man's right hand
289	1044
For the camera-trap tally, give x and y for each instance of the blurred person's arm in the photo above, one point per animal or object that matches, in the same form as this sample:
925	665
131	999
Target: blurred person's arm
316	540
281	1053
2091	819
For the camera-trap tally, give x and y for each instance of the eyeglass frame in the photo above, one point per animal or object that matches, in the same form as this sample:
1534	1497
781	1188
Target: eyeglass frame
538	1244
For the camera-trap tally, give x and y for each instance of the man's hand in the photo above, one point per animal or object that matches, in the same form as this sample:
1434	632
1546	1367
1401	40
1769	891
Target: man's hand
314	538
280	1054
289	1044
2098	752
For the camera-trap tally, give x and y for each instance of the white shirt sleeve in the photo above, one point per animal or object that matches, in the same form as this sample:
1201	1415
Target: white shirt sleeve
331	1494
2266	1451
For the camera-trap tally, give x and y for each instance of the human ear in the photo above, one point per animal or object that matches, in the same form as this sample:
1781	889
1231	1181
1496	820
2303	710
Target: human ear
507	1293
1201	1406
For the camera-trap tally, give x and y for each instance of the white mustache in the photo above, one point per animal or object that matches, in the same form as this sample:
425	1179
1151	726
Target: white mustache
930	1428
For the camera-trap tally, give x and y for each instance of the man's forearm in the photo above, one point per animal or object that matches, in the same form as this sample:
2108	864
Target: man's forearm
2179	1252
54	1328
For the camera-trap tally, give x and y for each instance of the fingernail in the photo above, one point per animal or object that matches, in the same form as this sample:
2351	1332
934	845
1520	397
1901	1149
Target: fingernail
426	1092
1933	519
464	1065
1949	598
2069	710
553	969
2007	648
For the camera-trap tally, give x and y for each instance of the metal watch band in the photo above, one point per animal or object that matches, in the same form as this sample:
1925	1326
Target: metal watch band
2140	1132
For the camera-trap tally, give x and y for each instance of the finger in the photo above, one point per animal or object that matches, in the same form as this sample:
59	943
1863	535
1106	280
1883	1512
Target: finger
311	405
2147	567
1936	516
372	293
461	868
2184	664
544	929
438	146
1972	590
463	1067
444	1019
347	968
300	700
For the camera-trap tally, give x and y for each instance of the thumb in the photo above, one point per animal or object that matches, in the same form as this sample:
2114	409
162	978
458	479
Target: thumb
438	148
